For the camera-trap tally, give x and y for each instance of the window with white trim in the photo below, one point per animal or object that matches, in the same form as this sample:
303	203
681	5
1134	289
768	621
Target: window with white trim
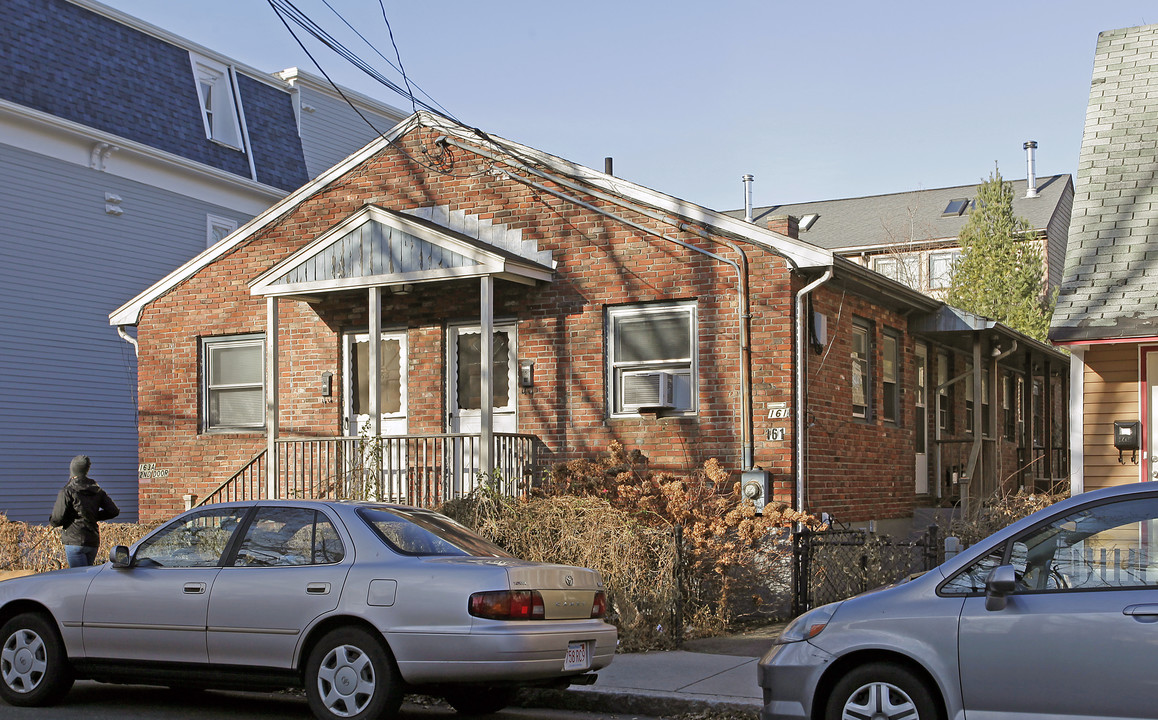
232	379
890	377
216	228
216	93
902	268
941	268
652	358
861	383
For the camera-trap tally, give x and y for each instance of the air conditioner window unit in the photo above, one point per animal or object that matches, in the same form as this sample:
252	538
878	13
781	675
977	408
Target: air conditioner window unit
647	390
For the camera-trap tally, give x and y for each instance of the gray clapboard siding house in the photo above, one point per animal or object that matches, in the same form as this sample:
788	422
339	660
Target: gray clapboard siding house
124	150
1107	309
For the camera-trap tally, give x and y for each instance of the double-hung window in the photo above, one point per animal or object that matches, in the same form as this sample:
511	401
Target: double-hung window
233	388
890	377
941	268
652	358
862	389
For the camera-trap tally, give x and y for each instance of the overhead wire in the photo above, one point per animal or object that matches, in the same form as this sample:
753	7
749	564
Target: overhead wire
285	6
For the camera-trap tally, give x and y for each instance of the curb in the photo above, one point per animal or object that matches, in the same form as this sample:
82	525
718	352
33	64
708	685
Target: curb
642	702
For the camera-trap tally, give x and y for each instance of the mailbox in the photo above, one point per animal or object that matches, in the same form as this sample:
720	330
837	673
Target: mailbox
1127	435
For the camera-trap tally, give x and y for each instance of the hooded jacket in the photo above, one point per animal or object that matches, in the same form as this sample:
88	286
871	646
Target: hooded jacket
79	506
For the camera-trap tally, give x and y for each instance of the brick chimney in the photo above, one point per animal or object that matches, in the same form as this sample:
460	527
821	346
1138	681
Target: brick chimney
785	225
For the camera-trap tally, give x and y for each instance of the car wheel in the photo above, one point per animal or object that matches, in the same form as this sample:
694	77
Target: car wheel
882	691
480	700
34	669
351	674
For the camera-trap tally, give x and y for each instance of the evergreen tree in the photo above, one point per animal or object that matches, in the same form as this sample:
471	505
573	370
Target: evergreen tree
1000	274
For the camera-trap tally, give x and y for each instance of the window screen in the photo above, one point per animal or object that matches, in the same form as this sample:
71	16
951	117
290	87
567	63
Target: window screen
234	391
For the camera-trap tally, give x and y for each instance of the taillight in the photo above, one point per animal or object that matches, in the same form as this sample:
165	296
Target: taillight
599	605
507	605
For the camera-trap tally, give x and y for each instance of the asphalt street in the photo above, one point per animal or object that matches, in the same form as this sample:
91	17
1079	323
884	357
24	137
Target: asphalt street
97	701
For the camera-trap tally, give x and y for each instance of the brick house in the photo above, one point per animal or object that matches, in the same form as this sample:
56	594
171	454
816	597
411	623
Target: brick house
611	312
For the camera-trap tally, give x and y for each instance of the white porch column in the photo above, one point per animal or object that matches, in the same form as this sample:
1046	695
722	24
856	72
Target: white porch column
271	397
486	371
376	360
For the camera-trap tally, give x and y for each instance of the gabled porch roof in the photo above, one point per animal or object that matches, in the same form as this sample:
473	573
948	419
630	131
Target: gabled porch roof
380	247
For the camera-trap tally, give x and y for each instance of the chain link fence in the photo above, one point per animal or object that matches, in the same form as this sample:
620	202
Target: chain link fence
831	565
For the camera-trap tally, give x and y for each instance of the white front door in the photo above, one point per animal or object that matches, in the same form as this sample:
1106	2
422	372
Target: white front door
392	387
921	420
464	394
388	459
465	382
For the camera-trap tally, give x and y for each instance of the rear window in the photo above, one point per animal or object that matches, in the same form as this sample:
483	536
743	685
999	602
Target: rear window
421	532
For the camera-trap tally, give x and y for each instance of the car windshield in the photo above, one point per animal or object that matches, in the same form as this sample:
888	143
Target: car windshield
421	532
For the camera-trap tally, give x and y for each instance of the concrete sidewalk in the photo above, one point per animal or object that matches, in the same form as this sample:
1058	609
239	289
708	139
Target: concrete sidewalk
707	674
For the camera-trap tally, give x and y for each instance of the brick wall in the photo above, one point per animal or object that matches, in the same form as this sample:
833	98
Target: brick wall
856	470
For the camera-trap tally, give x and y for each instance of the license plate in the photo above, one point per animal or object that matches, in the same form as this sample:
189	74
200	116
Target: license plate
577	657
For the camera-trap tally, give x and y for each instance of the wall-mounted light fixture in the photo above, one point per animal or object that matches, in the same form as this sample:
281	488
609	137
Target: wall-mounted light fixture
327	384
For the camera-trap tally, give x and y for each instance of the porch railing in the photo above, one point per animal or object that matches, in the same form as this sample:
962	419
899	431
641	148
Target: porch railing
423	470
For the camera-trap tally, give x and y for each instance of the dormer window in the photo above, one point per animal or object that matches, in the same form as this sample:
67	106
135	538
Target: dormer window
219	104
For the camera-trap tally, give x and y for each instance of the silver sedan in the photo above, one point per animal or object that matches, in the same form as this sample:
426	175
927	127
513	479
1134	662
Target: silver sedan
1056	615
356	602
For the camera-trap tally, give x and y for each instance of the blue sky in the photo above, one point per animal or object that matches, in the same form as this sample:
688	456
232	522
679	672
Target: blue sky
818	100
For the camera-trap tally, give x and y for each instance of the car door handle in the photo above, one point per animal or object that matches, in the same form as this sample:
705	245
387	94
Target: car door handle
1149	609
318	588
194	588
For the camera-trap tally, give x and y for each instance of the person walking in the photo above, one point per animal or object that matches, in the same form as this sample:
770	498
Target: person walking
80	504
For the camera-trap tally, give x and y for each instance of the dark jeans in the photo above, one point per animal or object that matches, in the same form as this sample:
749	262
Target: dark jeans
79	555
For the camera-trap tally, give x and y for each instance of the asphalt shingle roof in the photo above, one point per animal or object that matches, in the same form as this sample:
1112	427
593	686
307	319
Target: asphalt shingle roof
78	65
883	220
1110	260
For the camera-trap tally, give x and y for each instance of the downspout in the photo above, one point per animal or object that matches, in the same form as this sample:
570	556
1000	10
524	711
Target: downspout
741	268
801	343
129	339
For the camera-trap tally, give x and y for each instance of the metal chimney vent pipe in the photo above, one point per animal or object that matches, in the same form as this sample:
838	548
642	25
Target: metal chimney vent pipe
748	197
1031	169
608	166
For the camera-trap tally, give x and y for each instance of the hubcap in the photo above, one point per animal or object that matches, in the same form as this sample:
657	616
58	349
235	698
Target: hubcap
879	701
346	681
23	661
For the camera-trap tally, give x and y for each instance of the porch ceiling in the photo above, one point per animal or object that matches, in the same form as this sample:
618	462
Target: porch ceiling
376	246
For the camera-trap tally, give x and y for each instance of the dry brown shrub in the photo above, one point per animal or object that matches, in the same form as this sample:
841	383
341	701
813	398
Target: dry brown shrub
38	548
1002	510
636	562
682	555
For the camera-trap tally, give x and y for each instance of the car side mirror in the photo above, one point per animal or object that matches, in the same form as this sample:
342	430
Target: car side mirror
120	557
1001	582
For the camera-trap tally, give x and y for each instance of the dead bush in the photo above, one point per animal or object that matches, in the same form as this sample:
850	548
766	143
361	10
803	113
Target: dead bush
682	555
37	548
1001	510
